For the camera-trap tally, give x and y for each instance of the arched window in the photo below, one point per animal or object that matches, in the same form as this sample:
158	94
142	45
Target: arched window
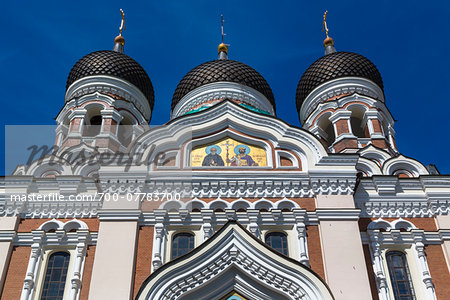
93	128
400	276
357	122
182	243
125	131
55	276
328	129
278	241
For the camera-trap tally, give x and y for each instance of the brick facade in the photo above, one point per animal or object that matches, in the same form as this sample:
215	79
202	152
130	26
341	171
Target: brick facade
16	273
87	273
143	257
373	284
438	270
315	250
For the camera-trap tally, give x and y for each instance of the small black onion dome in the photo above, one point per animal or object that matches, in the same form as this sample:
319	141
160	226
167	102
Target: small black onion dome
222	70
115	64
332	66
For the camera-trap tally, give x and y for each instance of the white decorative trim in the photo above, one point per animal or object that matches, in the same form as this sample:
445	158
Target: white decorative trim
368	167
393	197
376	154
53	188
336	87
193	185
233	251
113	85
222	90
42	242
400	163
236	204
228	114
338	214
286	154
386	240
158	246
168	155
119	215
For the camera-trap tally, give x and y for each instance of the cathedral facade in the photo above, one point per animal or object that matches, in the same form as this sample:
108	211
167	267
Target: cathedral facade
225	201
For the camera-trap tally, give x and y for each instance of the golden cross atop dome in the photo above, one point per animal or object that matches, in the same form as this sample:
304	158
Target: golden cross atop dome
122	23
325	27
119	41
328	40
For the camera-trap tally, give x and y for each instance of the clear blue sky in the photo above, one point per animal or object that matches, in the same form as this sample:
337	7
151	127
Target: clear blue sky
407	40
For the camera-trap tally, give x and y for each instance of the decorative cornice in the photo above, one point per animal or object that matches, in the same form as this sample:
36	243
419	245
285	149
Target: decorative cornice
338	214
390	196
58	238
7	235
113	85
396	237
119	215
338	87
259	187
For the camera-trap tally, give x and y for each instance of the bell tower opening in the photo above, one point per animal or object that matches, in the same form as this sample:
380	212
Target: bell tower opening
327	128
357	121
93	122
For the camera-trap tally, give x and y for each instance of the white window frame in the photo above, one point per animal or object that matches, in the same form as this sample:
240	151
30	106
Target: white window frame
45	243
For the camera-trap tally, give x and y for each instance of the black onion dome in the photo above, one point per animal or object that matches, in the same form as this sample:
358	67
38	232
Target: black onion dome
115	64
336	65
222	70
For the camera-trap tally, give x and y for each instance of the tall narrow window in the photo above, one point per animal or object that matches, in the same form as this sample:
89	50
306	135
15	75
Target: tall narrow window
400	276
55	276
278	241
182	243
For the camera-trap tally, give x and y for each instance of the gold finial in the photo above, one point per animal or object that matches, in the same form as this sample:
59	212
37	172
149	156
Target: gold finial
222	46
122	23
119	39
325	27
328	41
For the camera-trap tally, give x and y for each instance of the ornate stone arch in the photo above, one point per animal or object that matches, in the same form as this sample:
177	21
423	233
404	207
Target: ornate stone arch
403	163
234	260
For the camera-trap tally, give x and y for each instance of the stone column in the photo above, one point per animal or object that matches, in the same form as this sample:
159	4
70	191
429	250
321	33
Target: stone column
114	261
443	223
35	258
377	264
423	265
76	127
253	226
111	119
75	281
378	137
344	262
207	227
343	131
158	249
302	243
8	227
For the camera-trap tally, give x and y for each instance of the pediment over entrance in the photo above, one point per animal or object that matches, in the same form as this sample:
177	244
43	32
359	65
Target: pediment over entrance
234	261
